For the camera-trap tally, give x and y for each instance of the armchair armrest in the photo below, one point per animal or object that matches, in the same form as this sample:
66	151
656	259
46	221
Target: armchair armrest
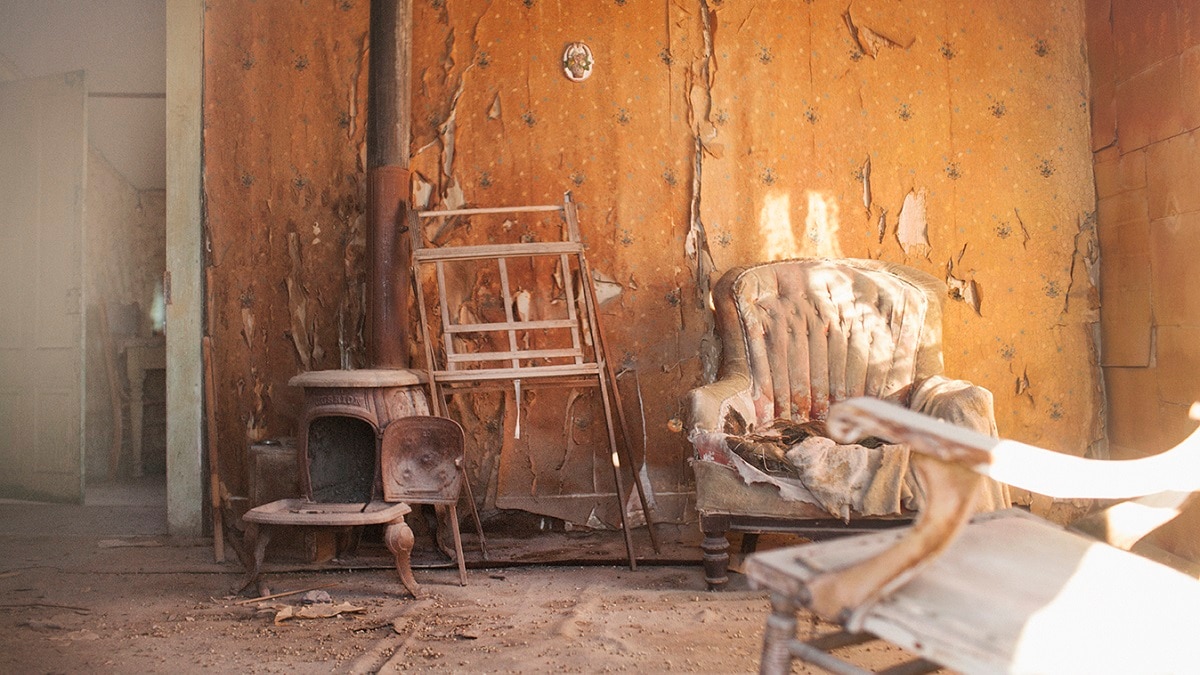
709	405
956	401
950	461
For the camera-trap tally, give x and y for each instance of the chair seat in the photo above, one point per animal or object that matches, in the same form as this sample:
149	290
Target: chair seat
305	512
1015	593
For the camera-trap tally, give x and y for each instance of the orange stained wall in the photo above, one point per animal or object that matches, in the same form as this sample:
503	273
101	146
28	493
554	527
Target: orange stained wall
1145	65
711	133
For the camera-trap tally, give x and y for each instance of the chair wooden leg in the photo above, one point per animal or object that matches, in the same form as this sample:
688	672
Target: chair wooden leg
475	515
780	631
399	539
716	551
458	549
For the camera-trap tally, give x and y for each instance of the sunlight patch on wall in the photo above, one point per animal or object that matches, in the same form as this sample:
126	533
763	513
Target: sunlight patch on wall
775	223
821	227
819	238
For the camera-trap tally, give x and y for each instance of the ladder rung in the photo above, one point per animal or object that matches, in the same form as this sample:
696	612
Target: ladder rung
504	325
468	357
496	251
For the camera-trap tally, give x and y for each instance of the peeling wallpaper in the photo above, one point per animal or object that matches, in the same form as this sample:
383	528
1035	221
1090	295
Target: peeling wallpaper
950	137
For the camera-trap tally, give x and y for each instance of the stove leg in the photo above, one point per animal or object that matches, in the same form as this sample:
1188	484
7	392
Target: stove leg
255	544
399	539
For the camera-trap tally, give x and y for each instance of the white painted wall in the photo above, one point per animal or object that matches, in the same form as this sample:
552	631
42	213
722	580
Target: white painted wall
122	46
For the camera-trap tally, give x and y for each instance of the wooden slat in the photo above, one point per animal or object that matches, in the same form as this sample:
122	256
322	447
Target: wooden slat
516	325
553	382
498	209
496	251
516	373
569	289
506	292
467	357
443	308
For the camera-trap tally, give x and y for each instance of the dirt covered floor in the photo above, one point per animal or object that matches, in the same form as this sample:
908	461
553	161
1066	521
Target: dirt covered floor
98	588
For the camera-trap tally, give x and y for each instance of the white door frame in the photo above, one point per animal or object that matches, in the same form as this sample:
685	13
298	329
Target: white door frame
184	286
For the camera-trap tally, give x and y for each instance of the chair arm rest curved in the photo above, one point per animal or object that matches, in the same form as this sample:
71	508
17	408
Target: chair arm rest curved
1025	466
950	460
709	405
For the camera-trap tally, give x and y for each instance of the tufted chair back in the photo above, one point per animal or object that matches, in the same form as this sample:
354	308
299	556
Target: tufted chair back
812	332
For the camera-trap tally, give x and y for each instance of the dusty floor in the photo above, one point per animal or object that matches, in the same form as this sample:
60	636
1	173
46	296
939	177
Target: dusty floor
98	588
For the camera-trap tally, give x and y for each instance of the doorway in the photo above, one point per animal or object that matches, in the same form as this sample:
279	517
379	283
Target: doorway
105	237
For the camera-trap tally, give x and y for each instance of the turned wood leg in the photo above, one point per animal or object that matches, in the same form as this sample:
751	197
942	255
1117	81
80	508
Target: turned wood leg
254	543
399	539
780	631
716	550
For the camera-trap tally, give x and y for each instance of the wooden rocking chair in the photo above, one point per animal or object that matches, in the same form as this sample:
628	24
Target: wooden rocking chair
1008	592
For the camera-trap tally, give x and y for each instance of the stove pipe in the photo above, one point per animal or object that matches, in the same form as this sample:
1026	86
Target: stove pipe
389	100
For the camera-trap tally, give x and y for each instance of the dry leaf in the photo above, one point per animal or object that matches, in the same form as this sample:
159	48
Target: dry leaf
322	611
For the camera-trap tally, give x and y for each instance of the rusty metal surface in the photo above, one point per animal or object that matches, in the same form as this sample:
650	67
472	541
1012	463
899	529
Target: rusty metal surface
710	134
420	457
388	278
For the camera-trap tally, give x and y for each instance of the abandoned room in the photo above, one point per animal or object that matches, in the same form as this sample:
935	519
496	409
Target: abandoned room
599	336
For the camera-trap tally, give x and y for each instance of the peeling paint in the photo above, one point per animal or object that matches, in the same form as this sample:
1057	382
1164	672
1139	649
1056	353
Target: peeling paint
701	76
866	182
912	228
963	290
1023	387
607	288
298	304
1085	270
871	41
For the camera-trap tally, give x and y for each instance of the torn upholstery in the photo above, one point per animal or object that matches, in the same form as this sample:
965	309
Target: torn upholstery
797	336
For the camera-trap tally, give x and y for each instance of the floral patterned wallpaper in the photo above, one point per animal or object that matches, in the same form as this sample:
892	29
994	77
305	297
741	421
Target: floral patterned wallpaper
952	137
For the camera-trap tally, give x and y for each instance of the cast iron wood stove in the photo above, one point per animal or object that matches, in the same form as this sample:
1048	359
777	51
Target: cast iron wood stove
341	445
347	411
341	428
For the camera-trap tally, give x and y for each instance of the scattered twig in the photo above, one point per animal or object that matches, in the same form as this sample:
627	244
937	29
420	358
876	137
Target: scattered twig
285	593
81	610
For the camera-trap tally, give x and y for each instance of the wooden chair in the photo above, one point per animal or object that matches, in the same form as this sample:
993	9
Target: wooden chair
423	464
1008	592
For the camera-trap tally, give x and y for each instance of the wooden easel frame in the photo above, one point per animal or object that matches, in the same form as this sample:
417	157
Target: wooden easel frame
583	363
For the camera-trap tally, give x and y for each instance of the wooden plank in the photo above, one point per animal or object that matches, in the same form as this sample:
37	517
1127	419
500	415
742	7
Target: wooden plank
482	251
482	211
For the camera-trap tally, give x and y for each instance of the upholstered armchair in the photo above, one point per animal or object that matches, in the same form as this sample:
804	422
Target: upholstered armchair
797	336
